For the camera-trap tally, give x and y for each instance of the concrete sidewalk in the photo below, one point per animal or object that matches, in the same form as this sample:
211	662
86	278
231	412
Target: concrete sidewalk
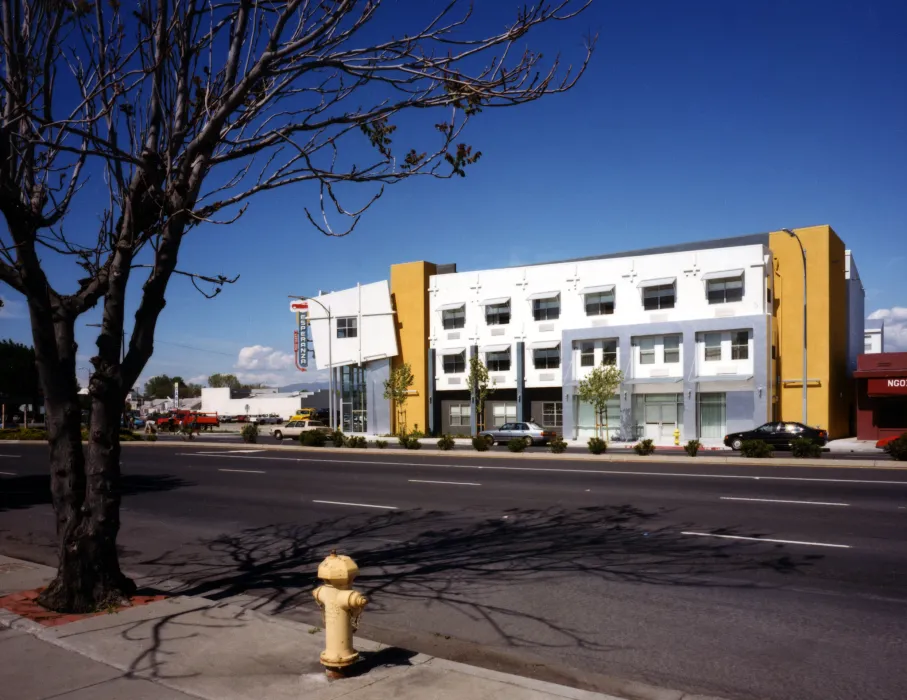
185	647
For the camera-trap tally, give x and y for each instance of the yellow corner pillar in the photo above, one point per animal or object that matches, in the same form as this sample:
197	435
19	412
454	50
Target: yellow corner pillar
828	391
409	292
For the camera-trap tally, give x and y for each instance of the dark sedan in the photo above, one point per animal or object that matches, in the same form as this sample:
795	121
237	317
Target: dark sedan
781	434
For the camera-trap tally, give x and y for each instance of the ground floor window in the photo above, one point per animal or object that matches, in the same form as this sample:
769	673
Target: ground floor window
460	415
553	414
891	413
712	415
586	421
353	399
656	416
503	413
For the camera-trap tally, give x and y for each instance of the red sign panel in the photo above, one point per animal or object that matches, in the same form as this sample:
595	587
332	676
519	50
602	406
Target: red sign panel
881	387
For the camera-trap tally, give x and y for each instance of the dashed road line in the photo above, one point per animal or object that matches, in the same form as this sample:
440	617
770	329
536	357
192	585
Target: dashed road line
243	471
765	539
449	483
773	500
358	505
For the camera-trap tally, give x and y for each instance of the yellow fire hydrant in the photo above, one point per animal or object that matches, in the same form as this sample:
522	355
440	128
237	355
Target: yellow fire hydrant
676	436
341	606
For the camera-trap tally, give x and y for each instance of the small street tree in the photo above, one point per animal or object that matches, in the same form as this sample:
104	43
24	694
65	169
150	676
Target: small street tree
396	389
480	388
597	389
178	112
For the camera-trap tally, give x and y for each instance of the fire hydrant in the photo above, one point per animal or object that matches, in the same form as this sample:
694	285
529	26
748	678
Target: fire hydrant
676	436
341	607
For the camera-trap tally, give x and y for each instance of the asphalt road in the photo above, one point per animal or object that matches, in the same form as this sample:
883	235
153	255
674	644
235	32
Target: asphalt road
764	582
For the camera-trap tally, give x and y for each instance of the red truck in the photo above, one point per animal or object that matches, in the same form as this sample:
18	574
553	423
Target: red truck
184	418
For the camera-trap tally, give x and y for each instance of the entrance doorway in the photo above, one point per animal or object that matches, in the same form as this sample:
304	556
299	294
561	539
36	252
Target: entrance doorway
658	415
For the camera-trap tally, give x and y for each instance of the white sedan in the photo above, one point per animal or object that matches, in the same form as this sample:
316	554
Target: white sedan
295	428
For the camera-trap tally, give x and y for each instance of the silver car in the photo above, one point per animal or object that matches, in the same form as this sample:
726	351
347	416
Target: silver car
530	433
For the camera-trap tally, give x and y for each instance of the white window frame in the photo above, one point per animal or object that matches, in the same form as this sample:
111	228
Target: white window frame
609	356
706	337
503	355
557	411
347	327
456	355
463	412
663	288
646	351
740	351
724	285
665	350
587	353
600	303
493	313
537	353
456	315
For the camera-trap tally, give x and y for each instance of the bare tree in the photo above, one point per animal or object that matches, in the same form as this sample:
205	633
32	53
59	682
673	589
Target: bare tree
184	109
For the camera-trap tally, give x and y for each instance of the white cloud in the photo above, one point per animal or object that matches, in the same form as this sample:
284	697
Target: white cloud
259	357
198	379
895	320
12	308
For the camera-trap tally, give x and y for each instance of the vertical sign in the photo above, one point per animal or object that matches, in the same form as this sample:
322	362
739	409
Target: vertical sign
302	343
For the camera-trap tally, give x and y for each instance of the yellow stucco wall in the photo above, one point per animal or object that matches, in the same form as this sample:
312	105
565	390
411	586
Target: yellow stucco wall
409	294
829	394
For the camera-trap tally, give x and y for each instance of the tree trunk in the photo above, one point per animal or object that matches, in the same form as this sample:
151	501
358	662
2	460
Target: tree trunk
86	496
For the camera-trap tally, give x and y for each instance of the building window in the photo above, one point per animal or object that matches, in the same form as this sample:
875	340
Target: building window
712	415
647	351
497	314
600	303
547	358
454	318
659	296
546	309
347	327
740	345
553	414
502	413
460	415
498	361
713	347
672	349
724	291
587	354
768	295
609	352
455	364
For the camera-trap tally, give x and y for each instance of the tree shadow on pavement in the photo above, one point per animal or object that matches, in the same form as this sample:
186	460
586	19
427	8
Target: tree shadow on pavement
34	490
479	567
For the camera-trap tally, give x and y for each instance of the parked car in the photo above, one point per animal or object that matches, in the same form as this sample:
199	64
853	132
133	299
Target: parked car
777	434
228	419
530	433
295	428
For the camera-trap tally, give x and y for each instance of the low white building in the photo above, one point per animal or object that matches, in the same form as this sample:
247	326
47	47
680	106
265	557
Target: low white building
873	337
222	402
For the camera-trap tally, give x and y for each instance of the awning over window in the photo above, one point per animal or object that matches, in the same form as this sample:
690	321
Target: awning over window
725	378
546	345
600	289
451	307
496	348
653	380
724	275
496	301
658	282
450	351
543	295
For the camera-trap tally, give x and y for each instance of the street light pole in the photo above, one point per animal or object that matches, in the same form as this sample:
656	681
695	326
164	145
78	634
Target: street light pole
327	310
805	334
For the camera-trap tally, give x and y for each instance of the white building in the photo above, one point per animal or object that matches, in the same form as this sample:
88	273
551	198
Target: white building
690	327
259	403
874	337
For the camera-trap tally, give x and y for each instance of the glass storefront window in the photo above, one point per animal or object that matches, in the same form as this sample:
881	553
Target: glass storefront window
353	399
712	415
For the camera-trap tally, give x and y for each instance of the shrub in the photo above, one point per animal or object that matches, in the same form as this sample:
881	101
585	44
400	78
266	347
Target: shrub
338	438
380	444
480	443
417	433
357	442
313	438
516	445
692	447
597	445
23	434
128	436
249	432
446	443
804	448
558	445
897	449
644	447
756	449
151	437
403	439
413	444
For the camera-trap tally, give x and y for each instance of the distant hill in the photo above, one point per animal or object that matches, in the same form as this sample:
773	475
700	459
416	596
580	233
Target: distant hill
314	386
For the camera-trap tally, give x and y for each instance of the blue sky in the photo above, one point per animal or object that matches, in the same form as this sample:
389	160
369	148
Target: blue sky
695	120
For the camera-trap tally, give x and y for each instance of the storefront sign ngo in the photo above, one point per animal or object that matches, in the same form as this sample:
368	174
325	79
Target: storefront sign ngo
879	387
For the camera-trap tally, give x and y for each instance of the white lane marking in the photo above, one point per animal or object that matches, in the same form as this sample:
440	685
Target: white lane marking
7	473
359	505
243	471
11	456
765	539
552	469
451	483
772	500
